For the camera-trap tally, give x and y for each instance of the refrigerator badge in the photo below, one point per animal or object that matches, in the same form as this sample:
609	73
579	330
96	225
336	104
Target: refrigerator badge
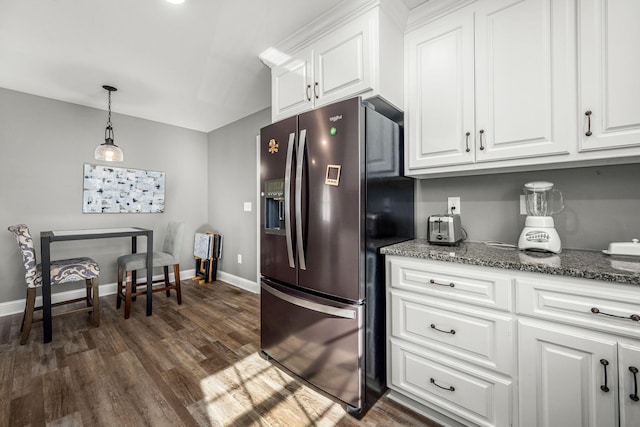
273	146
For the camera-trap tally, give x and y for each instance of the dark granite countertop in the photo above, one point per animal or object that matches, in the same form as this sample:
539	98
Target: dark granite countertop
571	262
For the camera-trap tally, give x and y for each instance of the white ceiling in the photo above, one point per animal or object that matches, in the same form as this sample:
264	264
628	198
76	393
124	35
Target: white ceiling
193	65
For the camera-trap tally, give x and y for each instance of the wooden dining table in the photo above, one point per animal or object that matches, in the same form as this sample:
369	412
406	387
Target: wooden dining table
48	237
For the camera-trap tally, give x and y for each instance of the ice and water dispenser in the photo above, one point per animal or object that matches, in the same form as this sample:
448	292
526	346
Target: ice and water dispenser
274	207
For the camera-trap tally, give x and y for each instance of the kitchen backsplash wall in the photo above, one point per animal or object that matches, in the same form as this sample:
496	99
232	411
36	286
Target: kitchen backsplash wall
602	204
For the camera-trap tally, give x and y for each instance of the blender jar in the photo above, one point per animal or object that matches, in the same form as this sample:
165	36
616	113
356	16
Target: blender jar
539	199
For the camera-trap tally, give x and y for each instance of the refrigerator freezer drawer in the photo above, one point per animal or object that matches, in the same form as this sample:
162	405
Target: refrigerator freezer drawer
315	338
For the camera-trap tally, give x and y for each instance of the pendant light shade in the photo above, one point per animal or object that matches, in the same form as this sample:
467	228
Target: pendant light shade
108	151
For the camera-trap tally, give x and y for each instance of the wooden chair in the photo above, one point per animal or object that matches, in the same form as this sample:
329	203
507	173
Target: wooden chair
62	271
170	256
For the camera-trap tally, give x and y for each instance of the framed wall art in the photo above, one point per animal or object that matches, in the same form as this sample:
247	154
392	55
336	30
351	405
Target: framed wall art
108	189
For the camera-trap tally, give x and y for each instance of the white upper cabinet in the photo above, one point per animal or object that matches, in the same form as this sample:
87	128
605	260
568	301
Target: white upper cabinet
609	64
342	61
490	82
360	55
524	65
290	91
439	119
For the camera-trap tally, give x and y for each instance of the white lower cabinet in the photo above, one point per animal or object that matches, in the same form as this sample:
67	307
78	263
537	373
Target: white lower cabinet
482	346
567	377
628	372
451	340
458	388
579	348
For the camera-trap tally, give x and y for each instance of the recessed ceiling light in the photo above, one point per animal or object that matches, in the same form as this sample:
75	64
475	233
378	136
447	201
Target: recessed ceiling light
176	1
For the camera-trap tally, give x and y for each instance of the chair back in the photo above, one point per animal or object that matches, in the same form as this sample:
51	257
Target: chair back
173	239
25	242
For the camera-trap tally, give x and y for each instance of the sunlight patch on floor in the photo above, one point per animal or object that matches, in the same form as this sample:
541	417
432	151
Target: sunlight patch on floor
254	392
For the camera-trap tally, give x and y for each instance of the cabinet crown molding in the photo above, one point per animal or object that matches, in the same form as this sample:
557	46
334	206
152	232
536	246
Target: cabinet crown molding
432	10
339	15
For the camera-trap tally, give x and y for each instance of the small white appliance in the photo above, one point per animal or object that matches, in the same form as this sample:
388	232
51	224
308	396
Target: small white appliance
539	233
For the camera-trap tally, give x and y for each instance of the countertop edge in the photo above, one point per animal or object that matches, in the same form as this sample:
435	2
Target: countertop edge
590	265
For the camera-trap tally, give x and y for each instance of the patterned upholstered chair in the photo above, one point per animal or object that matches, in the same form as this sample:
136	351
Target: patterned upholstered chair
170	256
62	271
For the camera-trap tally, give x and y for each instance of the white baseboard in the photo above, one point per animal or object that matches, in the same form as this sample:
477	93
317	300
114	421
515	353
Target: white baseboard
239	282
17	306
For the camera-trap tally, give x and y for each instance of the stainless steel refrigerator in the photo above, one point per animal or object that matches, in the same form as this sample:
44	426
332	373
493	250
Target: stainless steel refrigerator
333	193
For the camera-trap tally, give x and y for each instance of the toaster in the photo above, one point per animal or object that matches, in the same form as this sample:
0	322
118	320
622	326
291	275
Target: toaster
444	229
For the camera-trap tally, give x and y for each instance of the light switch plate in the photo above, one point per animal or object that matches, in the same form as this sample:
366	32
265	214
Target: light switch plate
523	205
247	206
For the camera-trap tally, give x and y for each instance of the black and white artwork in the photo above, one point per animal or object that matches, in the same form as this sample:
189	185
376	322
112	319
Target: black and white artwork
108	189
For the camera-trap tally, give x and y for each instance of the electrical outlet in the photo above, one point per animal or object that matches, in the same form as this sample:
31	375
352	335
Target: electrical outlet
247	206
239	258
453	205
523	205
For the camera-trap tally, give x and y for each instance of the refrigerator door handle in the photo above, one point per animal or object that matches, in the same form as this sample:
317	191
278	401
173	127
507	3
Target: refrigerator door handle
287	200
314	306
301	153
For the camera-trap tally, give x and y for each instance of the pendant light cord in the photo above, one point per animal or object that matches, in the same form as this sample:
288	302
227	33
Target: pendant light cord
109	117
108	132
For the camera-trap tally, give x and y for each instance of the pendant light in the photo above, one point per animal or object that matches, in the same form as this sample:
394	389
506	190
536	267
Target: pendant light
108	151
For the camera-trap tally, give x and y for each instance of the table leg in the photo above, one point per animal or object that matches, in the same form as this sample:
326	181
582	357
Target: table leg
45	256
149	273
134	273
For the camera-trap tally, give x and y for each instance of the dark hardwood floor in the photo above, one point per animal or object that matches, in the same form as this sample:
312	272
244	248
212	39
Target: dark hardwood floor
191	365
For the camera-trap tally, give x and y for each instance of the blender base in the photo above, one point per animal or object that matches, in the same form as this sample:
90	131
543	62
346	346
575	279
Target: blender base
539	234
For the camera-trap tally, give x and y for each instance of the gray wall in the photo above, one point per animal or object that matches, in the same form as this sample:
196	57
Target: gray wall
602	204
233	181
44	145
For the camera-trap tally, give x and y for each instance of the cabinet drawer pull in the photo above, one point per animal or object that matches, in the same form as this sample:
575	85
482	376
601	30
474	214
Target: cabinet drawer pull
467	141
308	92
604	363
588	114
481	133
634	396
451	285
315	90
452	332
633	317
450	388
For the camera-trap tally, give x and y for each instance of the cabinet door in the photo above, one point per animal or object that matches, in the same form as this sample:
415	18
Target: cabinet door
525	78
609	64
342	62
629	366
561	375
439	94
291	87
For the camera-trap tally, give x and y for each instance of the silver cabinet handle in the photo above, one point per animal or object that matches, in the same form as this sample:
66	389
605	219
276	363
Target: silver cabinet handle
308	92
588	114
315	90
481	133
467	141
301	154
287	200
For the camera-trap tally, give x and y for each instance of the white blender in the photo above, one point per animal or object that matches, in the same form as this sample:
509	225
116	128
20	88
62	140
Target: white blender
539	233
